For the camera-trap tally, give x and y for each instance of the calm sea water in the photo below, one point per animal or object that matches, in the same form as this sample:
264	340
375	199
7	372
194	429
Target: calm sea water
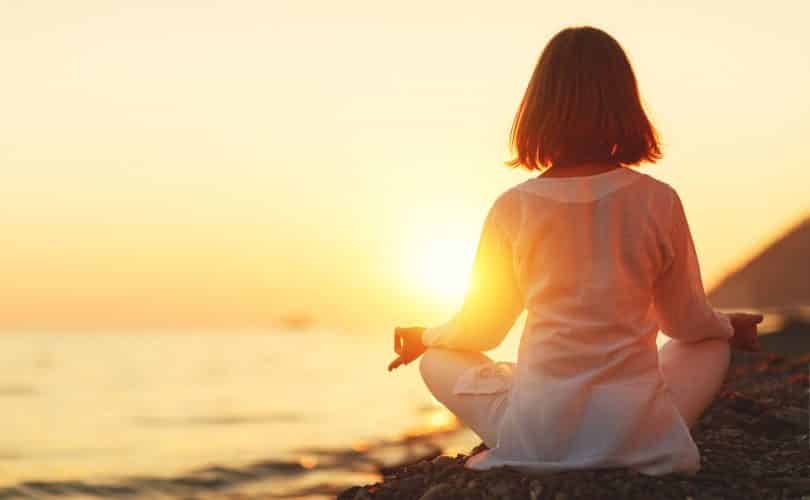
111	406
97	406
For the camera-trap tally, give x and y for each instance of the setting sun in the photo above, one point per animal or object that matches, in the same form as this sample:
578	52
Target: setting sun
441	266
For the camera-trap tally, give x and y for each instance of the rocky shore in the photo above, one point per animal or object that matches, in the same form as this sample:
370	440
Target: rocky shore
753	440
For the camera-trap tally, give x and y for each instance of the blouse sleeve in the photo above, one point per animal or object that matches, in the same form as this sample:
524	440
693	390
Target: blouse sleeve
492	302
680	302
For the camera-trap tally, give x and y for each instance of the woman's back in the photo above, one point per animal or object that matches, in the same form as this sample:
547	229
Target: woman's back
587	251
601	263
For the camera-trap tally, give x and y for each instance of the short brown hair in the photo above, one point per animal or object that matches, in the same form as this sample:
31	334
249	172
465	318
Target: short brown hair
582	105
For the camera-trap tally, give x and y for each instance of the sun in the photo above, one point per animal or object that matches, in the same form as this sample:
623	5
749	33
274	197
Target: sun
441	265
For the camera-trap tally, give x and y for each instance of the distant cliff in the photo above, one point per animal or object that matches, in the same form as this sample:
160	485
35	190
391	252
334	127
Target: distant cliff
779	277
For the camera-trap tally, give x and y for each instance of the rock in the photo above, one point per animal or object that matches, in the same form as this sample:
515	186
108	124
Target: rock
436	492
362	494
350	493
535	490
731	433
744	404
411	483
500	488
443	461
795	418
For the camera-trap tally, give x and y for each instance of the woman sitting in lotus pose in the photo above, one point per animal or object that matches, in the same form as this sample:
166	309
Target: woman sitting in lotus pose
601	257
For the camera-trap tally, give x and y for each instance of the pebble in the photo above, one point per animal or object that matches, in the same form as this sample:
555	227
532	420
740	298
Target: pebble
731	433
535	489
411	483
443	461
500	488
362	494
436	492
750	433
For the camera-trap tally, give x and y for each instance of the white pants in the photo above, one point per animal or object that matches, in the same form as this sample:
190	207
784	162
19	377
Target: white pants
694	372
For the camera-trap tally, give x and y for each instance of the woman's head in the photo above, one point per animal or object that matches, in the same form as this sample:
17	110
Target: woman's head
582	106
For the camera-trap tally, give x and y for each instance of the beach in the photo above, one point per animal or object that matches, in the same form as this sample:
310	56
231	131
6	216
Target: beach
754	440
247	415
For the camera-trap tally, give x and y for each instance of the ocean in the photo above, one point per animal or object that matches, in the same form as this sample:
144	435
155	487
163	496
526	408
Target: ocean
105	408
189	415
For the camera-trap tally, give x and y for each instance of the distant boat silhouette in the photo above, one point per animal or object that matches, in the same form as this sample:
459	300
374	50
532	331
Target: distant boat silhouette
776	279
298	322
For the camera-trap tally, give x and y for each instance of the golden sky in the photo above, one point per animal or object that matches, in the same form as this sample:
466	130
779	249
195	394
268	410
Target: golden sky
201	164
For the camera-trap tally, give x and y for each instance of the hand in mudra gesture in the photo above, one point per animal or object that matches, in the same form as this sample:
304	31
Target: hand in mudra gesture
745	331
408	345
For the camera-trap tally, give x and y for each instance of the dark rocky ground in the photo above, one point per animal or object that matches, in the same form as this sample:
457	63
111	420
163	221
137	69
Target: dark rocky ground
753	441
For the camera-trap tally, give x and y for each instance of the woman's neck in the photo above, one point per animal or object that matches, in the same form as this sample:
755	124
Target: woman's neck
579	170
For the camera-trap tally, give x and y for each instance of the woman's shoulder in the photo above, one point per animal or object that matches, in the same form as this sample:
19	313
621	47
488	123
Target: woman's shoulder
636	187
661	197
506	204
588	188
656	183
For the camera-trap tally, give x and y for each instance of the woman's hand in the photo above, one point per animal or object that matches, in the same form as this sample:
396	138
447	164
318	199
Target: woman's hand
408	345
745	331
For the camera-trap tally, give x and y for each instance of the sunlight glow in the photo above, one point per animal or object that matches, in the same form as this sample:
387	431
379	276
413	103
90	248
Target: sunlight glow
441	266
357	199
442	420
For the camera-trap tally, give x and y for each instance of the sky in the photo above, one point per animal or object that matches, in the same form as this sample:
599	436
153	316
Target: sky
220	165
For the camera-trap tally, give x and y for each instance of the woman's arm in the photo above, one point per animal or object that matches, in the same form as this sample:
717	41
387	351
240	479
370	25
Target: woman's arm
493	300
681	306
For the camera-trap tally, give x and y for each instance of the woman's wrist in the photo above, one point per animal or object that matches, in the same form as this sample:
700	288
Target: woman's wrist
427	336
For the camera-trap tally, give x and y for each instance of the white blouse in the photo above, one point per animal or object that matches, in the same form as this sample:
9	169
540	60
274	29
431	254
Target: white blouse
600	263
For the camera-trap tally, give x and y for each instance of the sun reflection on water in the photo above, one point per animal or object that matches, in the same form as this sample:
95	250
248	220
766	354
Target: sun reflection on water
442	420
308	461
360	446
437	421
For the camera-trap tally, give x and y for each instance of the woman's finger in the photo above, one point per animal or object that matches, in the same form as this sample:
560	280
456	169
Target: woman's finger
394	364
753	319
397	338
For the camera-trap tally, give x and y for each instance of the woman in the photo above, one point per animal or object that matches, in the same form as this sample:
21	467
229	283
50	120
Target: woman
601	257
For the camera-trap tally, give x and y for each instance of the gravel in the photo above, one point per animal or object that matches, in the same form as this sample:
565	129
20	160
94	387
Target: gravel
753	440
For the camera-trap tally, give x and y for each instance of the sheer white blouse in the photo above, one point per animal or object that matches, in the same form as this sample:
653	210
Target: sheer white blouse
600	263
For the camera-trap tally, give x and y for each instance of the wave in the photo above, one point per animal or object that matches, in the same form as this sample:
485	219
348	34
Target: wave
217	420
17	390
378	457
